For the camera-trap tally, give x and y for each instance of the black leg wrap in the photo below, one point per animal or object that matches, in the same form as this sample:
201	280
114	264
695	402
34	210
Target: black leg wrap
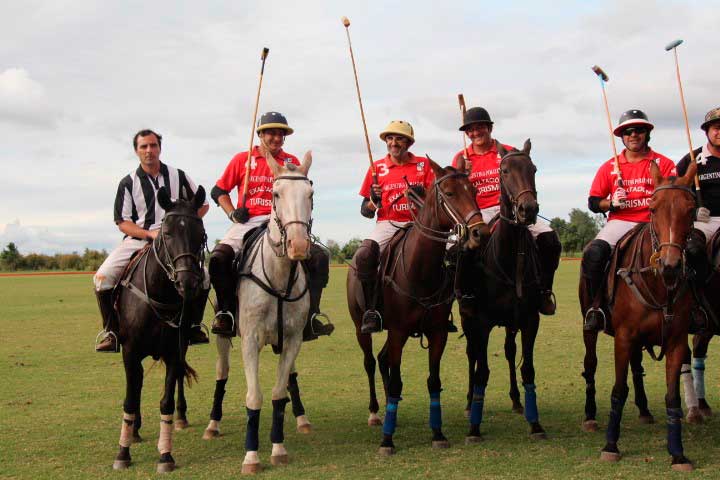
294	389
216	413
616	408
252	440
675	446
278	419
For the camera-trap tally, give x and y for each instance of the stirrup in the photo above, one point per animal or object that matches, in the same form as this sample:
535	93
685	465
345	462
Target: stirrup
232	318
327	323
604	319
378	318
552	298
105	334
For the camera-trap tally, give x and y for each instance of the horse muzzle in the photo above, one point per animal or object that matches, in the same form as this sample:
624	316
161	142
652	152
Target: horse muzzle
478	235
298	248
526	212
671	269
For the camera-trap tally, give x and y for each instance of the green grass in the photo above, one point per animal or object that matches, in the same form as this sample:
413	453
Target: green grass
60	403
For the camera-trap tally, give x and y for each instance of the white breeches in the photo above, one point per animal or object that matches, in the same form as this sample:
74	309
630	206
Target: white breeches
614	230
383	232
234	236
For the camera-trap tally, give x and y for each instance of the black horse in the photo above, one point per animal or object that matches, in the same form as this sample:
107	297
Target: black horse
501	287
158	299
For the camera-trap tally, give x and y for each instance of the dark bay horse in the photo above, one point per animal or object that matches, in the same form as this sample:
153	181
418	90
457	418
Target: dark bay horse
158	300
417	290
650	302
505	291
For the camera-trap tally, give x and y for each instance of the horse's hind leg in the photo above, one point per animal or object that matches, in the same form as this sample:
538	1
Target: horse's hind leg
291	348
437	341
472	365
253	402
510	352
174	370
676	354
181	406
222	369
623	350
638	372
691	399
303	424
383	366
394	347
527	371
699	353
480	381
131	408
590	423
365	342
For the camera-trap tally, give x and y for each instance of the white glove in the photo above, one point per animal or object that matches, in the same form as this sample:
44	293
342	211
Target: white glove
703	215
619	197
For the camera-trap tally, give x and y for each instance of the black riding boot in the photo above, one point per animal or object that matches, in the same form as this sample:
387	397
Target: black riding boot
367	259
549	247
594	263
699	264
197	336
109	342
318	268
223	281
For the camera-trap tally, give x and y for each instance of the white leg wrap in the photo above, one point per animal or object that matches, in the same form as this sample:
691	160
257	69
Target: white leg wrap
687	381
126	430
166	430
278	449
251	457
213	425
699	376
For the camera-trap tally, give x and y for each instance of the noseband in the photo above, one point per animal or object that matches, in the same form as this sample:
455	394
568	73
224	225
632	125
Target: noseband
280	247
515	199
167	263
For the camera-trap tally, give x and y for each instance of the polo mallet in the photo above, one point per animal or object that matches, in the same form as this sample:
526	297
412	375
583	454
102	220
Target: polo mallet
461	102
604	78
263	57
346	23
673	46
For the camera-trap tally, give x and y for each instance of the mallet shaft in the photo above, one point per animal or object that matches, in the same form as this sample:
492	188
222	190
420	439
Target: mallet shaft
263	57
604	78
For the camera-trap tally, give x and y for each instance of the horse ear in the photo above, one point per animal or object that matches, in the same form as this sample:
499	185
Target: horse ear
439	171
163	199
689	178
307	161
502	151
655	173
461	162
199	198
272	163
526	147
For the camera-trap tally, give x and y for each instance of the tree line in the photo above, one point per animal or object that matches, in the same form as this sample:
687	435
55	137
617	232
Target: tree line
12	260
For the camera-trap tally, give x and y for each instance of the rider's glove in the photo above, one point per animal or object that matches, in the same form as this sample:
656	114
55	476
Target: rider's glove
239	215
618	198
703	215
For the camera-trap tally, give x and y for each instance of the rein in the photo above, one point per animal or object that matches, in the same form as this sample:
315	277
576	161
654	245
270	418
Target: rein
280	246
515	199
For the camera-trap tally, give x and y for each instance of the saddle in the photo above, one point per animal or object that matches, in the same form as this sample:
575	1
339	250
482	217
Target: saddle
250	238
617	259
128	271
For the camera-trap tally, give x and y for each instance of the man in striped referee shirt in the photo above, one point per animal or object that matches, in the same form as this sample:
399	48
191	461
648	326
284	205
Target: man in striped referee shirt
138	216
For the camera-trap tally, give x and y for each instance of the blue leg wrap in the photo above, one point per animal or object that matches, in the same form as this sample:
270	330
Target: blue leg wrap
531	410
699	376
278	419
616	408
476	407
253	425
390	416
435	411
674	423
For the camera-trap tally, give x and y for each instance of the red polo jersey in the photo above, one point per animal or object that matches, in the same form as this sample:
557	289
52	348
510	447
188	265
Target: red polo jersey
484	174
259	194
390	177
637	182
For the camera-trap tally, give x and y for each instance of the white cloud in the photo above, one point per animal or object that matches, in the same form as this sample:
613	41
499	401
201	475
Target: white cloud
23	100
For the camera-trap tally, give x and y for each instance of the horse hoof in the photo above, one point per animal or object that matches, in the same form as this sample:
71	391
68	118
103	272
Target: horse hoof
538	436
694	416
682	467
374	420
180	425
210	434
440	444
470	439
165	467
386	451
305	428
121	464
590	426
519	410
610	456
251	468
646	419
137	439
279	459
706	412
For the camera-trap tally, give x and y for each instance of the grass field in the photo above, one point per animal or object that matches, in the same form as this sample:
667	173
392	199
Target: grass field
60	403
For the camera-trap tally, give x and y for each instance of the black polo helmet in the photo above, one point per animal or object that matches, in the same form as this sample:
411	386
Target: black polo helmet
475	115
632	118
273	120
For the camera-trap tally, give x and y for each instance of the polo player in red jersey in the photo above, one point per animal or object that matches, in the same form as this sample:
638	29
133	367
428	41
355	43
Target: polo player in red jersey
272	129
627	204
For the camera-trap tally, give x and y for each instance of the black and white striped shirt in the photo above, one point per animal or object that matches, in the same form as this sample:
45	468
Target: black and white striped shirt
135	199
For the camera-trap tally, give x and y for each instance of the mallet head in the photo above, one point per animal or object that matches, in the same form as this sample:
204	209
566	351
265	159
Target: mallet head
673	44
265	53
600	73
346	22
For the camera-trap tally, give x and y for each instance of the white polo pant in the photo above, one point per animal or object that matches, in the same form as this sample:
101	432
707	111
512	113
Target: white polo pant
535	229
614	230
384	231
234	236
708	228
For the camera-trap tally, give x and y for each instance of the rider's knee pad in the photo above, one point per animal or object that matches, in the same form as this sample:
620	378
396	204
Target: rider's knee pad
221	260
318	265
696	243
549	243
367	259
595	258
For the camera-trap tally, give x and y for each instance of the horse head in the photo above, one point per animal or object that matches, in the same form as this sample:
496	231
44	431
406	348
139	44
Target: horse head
292	204
518	197
180	245
450	205
672	208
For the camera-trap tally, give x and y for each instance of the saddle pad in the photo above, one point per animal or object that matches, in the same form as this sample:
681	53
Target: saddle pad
617	257
249	240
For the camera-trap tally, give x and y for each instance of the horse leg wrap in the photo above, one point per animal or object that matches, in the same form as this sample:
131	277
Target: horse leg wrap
390	416
435	411
531	410
699	376
278	420
166	428
476	407
216	412
674	422
251	435
294	389
691	399
616	409
126	430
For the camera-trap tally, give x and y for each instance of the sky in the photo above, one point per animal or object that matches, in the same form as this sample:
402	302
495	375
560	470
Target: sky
78	78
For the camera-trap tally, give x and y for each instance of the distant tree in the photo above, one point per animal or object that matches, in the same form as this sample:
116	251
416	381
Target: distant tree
576	233
10	258
92	259
335	251
349	249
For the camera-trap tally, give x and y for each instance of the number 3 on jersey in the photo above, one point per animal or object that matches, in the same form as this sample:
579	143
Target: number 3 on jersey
382	170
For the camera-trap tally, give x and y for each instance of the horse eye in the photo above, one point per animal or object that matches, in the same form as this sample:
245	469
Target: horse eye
504	171
276	195
448	194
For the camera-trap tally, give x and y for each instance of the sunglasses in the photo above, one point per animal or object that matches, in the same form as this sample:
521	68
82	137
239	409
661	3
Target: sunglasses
629	131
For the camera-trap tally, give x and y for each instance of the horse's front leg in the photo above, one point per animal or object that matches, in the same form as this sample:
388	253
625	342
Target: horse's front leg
394	347
510	353
675	355
699	354
527	371
638	372
131	408
253	401
181	422
222	369
303	424
623	350
471	355
590	337
437	341
480	379
174	370
291	348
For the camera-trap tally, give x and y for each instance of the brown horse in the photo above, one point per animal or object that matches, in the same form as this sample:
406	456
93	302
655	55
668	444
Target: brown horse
649	304
418	292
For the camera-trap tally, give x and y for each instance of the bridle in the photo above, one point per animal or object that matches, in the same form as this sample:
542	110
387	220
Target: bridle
280	247
515	199
656	244
168	262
